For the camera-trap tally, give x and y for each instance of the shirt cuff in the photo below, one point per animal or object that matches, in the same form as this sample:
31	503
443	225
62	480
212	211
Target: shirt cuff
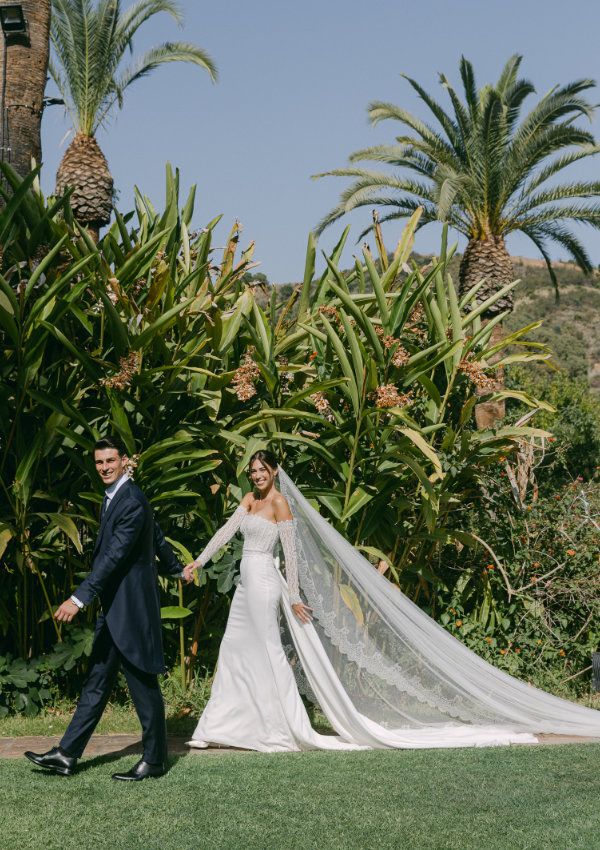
77	602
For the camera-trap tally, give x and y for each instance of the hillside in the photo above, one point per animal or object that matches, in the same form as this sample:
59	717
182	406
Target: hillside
571	326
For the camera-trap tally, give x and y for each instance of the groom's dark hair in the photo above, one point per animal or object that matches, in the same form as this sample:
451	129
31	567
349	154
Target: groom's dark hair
112	443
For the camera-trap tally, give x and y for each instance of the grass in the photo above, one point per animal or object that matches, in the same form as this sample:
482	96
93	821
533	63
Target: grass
520	798
117	719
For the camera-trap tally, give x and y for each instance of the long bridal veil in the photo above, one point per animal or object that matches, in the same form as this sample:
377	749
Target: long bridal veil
386	674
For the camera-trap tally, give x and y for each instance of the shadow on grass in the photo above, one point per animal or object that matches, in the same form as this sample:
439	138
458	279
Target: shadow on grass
105	759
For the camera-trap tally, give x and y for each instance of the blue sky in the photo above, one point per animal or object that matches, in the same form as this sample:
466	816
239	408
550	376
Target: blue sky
295	81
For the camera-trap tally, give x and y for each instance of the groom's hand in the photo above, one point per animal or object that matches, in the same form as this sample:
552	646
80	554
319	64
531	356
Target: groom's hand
65	612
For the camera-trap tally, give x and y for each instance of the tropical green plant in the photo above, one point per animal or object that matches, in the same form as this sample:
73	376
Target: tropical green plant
364	382
78	323
486	171
89	41
391	453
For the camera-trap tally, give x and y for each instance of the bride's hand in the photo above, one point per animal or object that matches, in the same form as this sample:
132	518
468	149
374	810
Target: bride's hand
302	612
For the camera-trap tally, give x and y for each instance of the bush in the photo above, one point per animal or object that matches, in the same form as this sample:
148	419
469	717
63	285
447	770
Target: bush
534	608
575	426
25	686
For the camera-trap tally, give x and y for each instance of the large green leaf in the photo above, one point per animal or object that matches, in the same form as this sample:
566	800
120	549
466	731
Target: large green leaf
174	612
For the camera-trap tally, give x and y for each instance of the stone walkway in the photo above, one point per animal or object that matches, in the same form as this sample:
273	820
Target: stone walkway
116	746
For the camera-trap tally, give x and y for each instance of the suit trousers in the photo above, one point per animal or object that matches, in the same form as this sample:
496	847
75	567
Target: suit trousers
104	665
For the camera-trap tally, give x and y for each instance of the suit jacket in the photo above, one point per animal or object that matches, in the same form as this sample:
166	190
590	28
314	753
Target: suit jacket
124	577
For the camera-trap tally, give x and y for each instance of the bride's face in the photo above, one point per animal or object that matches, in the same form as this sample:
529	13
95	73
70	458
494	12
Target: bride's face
262	476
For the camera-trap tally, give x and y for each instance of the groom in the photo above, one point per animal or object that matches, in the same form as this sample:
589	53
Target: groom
128	630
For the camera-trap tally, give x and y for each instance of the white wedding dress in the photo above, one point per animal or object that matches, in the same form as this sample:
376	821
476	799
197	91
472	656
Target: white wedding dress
254	702
384	673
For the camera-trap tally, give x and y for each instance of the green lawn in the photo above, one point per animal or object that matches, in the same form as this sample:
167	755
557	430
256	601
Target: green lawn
116	719
539	798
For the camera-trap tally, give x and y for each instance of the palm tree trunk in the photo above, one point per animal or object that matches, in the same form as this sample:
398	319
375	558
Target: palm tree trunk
488	259
26	74
85	171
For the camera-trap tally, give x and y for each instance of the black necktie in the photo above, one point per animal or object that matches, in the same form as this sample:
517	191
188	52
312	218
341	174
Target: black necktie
105	502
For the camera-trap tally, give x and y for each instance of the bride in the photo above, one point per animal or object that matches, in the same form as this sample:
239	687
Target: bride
384	673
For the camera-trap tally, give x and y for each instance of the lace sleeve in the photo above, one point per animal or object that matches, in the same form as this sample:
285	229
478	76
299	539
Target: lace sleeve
287	535
222	536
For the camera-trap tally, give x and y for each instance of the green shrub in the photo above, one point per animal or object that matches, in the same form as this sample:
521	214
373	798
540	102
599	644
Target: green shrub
575	425
534	608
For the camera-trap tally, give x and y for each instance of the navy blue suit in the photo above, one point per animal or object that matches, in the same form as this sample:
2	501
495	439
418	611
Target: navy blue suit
128	631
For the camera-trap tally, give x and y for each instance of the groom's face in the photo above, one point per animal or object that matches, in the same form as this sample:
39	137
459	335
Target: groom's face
110	465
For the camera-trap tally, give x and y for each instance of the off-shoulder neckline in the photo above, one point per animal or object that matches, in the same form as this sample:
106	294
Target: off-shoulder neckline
258	516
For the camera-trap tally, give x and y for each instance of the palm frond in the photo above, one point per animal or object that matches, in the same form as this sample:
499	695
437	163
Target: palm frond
567	239
508	75
537	237
137	14
168	52
449	126
380	111
467	76
557	165
89	41
399	155
585	189
575	212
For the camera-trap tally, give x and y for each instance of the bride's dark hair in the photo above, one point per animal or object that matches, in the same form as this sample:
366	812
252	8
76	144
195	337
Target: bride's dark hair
268	458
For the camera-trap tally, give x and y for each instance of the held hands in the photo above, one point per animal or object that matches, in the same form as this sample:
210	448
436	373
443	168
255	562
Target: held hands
65	612
189	570
302	612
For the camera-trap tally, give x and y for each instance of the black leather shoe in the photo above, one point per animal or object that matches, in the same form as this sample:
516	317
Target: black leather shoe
55	760
141	770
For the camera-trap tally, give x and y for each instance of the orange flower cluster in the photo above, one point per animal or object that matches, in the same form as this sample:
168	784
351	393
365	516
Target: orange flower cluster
245	378
388	396
323	406
416	318
286	378
400	357
475	373
327	310
128	367
386	339
131	465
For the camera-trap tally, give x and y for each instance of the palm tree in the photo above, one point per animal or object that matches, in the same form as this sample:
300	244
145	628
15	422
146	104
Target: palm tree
485	172
26	73
89	40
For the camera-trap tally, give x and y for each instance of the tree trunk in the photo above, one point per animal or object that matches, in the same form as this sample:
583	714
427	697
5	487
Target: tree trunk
27	70
85	171
488	259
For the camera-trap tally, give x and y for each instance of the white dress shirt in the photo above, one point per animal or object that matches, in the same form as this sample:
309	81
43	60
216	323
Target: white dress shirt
109	493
